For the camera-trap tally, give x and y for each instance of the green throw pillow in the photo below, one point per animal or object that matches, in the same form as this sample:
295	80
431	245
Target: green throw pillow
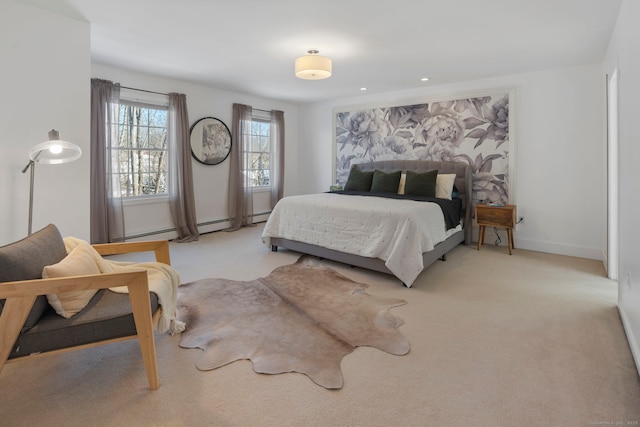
421	184
358	181
385	182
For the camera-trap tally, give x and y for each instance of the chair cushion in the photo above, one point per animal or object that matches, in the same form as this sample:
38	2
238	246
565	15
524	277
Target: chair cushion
25	259
107	316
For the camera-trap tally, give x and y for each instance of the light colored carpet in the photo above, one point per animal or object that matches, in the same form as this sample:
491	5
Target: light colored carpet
303	317
530	339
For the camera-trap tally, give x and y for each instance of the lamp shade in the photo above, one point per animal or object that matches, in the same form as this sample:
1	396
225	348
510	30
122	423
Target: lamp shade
54	151
313	66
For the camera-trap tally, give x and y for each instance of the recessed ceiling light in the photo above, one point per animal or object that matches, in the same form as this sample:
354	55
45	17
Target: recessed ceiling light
363	88
424	79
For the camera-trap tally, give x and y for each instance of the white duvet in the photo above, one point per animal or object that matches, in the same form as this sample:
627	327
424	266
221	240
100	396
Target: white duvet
394	230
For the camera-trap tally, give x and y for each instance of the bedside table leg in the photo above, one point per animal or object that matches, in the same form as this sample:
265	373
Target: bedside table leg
510	233
480	236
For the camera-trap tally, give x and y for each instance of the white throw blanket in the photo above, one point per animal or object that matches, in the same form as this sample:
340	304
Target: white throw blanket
163	281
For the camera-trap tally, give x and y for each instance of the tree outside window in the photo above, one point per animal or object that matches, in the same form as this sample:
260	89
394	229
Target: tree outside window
142	150
259	154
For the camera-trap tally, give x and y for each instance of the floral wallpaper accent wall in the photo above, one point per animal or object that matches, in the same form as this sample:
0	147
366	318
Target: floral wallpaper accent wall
471	130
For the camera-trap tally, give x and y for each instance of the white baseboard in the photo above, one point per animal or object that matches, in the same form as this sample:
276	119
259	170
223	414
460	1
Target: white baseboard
560	249
633	344
153	235
207	227
539	246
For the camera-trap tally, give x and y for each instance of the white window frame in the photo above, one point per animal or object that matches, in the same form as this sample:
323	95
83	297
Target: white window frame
263	117
157	104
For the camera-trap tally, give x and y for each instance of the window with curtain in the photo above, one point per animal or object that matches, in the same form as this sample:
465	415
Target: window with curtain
256	161
258	154
141	152
139	149
263	151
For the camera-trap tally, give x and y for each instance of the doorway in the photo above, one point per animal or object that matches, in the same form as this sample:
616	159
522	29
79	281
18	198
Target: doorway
612	175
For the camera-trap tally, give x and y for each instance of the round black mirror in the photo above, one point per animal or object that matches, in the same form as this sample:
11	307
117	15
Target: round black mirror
210	141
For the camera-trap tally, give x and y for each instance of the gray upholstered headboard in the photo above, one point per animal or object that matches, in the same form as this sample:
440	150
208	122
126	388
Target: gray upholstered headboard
463	180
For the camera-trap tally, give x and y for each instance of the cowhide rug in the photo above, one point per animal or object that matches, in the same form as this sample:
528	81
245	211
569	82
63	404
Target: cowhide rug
303	317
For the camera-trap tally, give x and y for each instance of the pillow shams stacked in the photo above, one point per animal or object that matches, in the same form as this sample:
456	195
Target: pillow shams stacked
429	183
445	188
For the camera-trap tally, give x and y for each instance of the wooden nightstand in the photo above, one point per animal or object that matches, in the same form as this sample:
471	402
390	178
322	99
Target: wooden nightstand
496	216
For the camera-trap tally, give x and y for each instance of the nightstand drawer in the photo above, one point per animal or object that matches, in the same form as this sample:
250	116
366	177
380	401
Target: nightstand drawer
499	216
496	216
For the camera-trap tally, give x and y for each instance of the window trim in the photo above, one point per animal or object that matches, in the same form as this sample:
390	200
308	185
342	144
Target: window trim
146	199
263	117
163	105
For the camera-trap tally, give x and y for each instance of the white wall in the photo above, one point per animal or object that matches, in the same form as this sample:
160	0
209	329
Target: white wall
558	138
558	144
210	182
623	53
45	69
47	63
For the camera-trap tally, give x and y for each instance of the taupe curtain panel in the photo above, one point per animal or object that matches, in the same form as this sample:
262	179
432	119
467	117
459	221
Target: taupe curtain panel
277	165
181	197
240	189
107	216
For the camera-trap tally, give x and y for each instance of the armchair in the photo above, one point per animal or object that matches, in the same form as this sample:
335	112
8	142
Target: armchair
29	327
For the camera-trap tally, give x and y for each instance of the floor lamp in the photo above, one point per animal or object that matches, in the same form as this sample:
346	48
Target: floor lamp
53	152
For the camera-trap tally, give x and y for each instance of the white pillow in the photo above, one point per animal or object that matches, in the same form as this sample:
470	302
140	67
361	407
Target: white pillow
79	262
444	185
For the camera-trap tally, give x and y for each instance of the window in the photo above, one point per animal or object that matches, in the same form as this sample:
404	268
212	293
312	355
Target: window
259	154
142	149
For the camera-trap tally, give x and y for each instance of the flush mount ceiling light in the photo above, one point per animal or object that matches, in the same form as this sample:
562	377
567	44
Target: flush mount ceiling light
313	66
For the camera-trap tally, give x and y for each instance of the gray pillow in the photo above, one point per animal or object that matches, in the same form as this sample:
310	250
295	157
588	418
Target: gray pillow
25	259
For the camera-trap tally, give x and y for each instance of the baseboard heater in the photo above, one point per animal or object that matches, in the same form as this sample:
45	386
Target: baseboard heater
200	224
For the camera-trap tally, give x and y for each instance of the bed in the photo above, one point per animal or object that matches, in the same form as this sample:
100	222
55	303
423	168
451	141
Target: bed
396	235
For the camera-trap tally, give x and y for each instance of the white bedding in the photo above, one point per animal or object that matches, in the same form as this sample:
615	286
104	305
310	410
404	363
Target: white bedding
396	231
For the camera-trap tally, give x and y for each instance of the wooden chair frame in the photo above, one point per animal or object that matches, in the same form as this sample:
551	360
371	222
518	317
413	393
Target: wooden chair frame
21	295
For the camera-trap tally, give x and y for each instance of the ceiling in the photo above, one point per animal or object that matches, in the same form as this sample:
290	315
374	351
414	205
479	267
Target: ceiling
249	46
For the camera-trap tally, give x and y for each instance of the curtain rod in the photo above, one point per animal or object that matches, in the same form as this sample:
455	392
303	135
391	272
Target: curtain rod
166	94
143	90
